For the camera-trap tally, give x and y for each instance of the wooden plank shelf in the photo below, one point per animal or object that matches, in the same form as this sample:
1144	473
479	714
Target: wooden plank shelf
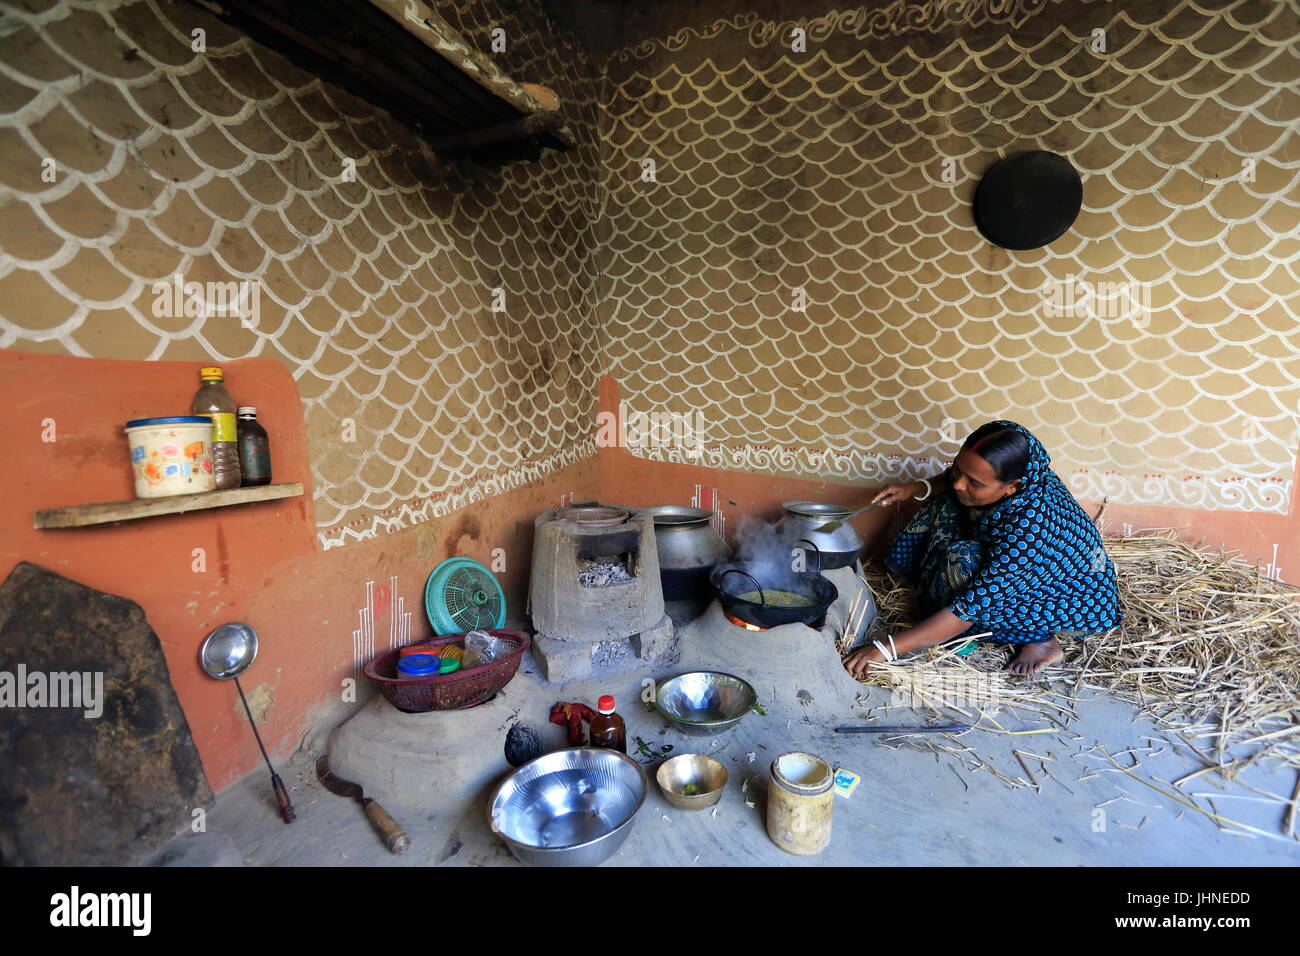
106	512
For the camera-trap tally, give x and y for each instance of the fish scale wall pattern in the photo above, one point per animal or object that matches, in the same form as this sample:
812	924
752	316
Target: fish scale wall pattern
779	241
376	288
744	176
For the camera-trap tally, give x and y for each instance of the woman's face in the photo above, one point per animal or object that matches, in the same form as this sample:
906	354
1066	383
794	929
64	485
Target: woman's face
976	483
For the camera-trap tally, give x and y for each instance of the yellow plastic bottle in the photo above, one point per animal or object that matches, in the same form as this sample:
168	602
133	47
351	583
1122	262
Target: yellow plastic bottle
214	402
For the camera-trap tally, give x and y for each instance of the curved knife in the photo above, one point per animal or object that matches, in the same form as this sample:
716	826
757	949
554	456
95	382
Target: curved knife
389	831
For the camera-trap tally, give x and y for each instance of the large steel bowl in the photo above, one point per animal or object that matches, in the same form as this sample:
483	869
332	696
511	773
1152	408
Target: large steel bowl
569	808
705	702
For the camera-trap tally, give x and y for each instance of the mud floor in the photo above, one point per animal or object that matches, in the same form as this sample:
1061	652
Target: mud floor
912	807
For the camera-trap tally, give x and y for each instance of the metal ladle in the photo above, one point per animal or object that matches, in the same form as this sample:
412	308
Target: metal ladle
830	526
225	654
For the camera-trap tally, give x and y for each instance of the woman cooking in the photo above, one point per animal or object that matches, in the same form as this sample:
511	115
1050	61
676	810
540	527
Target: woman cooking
1002	549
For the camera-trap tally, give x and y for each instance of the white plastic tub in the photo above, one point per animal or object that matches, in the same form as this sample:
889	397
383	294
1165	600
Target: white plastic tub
171	456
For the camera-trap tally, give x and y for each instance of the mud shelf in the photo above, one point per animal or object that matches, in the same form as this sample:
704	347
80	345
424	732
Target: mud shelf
80	516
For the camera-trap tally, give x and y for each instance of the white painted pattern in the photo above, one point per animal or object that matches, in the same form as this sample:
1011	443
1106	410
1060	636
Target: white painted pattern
778	171
379	600
229	164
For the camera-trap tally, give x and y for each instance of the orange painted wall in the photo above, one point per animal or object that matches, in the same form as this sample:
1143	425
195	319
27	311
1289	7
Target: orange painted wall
263	563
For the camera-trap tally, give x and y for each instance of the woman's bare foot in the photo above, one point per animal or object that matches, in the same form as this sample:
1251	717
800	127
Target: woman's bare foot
1032	658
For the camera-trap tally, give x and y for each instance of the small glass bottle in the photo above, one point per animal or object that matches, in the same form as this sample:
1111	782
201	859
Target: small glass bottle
254	449
607	728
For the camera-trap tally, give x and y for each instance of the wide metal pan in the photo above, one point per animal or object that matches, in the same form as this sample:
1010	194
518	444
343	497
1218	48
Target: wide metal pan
736	578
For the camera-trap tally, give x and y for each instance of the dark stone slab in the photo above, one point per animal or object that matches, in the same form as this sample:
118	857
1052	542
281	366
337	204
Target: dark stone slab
89	791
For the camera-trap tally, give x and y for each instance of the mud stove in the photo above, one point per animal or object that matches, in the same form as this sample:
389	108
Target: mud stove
595	596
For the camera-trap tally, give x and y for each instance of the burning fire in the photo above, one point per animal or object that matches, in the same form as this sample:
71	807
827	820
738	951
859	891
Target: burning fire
745	624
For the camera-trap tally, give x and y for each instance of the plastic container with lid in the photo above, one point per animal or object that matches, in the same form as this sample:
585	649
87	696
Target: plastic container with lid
410	649
800	801
171	455
418	665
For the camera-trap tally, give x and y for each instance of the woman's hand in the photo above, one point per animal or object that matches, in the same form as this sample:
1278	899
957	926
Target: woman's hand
859	662
892	494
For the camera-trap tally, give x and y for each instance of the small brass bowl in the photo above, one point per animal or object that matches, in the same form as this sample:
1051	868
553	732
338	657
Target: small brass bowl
692	781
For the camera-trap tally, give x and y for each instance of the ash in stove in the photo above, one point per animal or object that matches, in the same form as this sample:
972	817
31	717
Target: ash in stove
608	653
603	573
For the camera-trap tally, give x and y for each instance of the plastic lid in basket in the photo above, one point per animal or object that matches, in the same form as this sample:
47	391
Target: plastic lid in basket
419	665
424	649
448	665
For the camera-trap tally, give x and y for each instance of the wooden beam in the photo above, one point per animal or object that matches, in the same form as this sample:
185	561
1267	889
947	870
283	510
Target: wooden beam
419	18
545	96
523	128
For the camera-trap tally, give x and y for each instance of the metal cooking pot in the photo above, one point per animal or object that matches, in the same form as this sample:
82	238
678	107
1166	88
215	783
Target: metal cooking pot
832	549
738	578
688	549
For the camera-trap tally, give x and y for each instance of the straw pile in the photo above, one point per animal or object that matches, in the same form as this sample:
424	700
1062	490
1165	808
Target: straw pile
1209	648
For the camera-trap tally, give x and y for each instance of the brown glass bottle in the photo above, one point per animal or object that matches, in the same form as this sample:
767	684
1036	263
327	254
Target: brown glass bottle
607	729
254	449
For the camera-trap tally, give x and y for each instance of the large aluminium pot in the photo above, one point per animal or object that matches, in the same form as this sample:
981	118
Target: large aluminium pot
688	549
825	549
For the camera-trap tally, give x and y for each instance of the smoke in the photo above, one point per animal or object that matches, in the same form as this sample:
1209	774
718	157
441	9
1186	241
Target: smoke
761	543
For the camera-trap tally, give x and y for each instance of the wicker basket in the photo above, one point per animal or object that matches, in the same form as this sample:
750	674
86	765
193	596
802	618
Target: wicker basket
454	691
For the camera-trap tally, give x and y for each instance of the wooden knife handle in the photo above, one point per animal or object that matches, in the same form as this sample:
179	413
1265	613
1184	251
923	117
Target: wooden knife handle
287	813
394	836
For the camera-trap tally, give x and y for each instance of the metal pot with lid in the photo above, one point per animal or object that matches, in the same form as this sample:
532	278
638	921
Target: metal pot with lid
689	548
838	548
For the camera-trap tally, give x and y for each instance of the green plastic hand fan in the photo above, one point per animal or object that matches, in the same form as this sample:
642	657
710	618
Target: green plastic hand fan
461	595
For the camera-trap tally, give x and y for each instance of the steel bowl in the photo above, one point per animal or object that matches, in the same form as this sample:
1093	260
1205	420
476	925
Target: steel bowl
692	781
705	702
568	808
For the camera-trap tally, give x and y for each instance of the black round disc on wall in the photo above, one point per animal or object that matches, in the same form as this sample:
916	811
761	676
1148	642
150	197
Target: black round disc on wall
1028	200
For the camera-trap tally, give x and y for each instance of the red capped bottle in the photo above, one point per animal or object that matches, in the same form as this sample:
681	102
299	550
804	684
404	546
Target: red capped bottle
607	728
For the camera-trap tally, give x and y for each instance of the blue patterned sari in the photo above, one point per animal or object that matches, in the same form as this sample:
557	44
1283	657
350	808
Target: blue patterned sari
1023	569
